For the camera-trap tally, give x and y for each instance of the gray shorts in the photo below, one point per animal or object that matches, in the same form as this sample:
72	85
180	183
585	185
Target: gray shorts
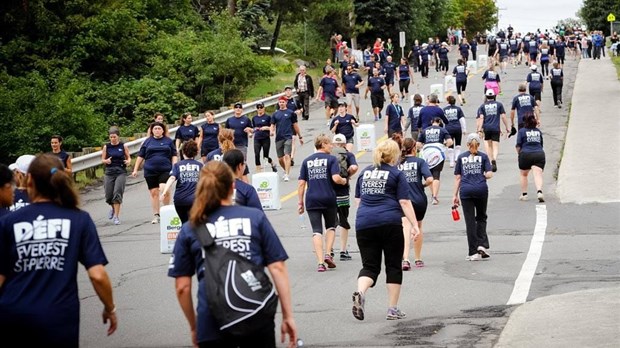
353	99
284	147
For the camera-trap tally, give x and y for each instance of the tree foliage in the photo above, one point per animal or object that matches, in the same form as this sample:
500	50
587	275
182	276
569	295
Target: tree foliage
594	13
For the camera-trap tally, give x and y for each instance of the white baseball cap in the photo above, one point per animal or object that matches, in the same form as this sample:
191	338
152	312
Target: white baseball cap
23	162
339	139
489	93
533	67
12	166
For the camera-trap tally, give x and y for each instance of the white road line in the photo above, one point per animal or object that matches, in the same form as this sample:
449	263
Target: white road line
524	280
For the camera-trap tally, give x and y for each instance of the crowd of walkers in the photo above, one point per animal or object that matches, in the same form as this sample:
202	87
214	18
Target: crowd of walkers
208	168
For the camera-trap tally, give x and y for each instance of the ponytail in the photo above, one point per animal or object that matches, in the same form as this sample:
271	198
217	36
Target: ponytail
52	182
215	184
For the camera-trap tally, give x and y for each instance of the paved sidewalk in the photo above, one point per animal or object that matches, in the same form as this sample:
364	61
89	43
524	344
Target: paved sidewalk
590	167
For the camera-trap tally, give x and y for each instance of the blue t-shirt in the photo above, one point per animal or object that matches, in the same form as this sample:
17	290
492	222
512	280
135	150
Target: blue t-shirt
215	155
20	199
530	140
64	157
244	230
491	75
460	71
471	168
317	170
416	171
350	82
474	46
533	47
428	113
403	72
389	69
209	137
523	103
464	49
245	195
513	45
433	134
41	247
157	154
535	80
238	124
329	86
291	104
560	48
424	54
259	122
284	120
453	113
443	53
345	125
557	74
491	111
503	49
117	154
380	190
394	112
414	115
544	54
186	133
375	84
187	173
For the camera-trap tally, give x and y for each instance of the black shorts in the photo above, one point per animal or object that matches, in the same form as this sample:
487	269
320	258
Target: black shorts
457	137
343	217
529	159
389	80
153	181
491	135
404	85
377	100
461	86
331	102
436	170
328	216
536	95
420	210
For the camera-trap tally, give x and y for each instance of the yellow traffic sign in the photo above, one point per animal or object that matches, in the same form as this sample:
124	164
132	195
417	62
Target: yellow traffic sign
611	17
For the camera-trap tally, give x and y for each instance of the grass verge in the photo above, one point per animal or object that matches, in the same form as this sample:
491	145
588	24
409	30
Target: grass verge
276	84
616	61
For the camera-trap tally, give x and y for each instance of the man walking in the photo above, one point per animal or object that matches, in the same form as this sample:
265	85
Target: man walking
283	124
305	90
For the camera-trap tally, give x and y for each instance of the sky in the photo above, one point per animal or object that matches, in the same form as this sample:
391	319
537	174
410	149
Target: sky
529	15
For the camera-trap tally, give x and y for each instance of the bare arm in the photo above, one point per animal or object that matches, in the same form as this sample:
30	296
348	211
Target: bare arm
136	166
127	155
457	186
183	288
301	189
101	283
279	273
169	183
407	208
336	178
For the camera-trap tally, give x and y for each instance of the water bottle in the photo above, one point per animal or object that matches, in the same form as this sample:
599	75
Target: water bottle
300	343
302	221
455	213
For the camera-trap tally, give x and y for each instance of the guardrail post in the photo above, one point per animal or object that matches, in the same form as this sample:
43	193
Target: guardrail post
90	173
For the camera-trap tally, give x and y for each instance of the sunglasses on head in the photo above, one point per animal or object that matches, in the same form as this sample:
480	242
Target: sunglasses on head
238	107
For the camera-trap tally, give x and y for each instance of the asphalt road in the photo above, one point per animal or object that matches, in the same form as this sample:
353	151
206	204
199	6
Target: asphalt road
450	302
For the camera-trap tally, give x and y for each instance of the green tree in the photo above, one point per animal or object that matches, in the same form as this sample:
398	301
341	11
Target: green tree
594	13
478	15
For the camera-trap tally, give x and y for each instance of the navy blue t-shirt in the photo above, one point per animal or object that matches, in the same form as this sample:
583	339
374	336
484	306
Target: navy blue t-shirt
117	154
317	170
394	112
428	113
209	137
64	157
414	115
41	247
471	168
491	75
284	120
403	72
345	125
389	69
157	154
460	71
245	195
186	133
20	199
560	48
536	80
523	103
215	155
530	140
491	111
375	84
238	124
453	114
350	82
416	171
329	86
243	230
187	173
433	134
557	74
464	49
380	190
424	54
259	122
443	53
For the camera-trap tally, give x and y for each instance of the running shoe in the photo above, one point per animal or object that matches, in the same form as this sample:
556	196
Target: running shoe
393	313
484	253
493	166
435	200
329	260
292	162
358	305
116	220
541	197
523	197
111	214
286	179
321	267
406	265
155	219
474	257
418	263
344	256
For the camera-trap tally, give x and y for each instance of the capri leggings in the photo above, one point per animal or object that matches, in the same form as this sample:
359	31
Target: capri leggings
384	240
259	144
404	86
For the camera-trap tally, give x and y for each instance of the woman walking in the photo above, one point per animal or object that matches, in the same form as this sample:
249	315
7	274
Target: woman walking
461	72
186	131
262	141
531	156
404	75
244	194
39	302
456	128
208	136
56	144
158	154
185	173
383	198
394	116
557	81
472	170
115	157
434	141
418	177
214	206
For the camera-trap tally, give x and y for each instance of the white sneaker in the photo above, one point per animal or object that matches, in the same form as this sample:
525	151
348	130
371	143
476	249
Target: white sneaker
523	198
155	220
483	252
541	197
474	257
286	177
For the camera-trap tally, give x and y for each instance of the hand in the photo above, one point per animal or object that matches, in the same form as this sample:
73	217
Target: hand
127	162
336	122
108	160
165	194
134	174
415	232
301	140
300	208
111	317
289	327
455	201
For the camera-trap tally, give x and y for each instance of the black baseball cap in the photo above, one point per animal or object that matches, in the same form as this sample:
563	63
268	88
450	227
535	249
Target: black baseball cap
238	105
260	105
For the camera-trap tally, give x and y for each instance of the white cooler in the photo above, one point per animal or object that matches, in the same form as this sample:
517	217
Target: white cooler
267	186
169	228
438	90
449	83
365	137
483	61
472	65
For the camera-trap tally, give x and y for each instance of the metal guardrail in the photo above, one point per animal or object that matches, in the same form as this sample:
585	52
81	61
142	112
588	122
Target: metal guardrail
94	159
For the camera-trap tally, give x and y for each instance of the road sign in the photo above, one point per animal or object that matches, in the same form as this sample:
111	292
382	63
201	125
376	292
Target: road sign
611	17
402	39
